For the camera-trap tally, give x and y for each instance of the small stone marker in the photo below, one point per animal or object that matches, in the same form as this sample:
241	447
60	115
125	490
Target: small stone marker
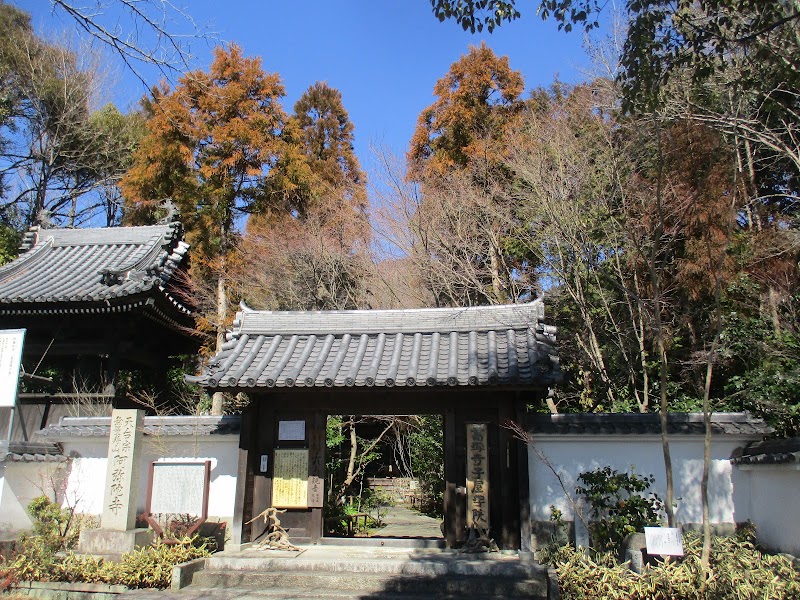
581	533
664	541
122	472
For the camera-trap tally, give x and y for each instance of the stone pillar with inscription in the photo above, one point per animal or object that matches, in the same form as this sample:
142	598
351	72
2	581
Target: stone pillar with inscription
118	533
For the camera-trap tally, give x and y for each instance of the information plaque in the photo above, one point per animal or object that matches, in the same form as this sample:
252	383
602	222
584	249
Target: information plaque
291	431
290	479
10	359
178	488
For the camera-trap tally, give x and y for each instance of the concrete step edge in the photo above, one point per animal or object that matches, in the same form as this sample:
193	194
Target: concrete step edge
400	566
372	583
295	593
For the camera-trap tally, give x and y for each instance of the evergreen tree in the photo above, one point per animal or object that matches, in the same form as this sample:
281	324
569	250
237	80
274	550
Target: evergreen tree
210	147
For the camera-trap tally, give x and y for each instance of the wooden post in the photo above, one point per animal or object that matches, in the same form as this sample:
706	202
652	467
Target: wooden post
523	475
316	474
450	470
263	445
242	470
509	480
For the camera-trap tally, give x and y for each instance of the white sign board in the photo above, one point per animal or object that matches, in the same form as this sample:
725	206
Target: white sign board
291	431
664	541
10	360
178	488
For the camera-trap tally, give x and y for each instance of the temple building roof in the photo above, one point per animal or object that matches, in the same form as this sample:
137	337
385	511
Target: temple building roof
117	269
476	346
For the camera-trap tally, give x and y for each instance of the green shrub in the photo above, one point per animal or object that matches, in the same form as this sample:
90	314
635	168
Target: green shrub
148	567
53	526
738	571
33	560
151	567
618	505
90	569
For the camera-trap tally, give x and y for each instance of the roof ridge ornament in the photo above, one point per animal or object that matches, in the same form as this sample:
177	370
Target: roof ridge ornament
29	239
44	219
172	213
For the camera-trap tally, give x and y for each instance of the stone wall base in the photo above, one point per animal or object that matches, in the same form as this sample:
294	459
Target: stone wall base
57	590
111	545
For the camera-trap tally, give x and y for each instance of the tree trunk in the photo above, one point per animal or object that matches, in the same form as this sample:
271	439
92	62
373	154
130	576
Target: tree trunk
655	276
497	280
218	399
706	553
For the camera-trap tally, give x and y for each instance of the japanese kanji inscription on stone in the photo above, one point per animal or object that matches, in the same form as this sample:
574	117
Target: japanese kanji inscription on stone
290	479
122	473
477	477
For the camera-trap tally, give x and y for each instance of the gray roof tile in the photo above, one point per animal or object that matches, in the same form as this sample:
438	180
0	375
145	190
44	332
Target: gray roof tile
645	424
30	452
71	427
769	452
69	266
488	345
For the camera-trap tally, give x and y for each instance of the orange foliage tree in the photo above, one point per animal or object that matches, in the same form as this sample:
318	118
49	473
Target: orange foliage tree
478	104
460	146
211	147
314	255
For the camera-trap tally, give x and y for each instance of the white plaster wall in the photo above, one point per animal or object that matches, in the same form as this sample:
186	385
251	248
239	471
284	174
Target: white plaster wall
774	503
19	484
86	483
571	456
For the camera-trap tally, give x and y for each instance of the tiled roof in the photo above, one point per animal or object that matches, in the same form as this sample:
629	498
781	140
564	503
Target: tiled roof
30	452
71	427
644	424
60	270
770	452
488	345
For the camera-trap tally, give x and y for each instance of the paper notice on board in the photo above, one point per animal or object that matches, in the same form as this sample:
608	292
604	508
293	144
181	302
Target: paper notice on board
664	541
11	341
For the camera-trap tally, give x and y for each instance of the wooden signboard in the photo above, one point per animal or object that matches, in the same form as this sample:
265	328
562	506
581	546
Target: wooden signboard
178	488
290	479
477	477
316	469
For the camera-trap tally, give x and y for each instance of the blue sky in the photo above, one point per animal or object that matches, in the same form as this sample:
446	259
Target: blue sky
383	55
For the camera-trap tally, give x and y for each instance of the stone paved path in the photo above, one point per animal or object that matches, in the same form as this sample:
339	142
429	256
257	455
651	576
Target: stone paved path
402	522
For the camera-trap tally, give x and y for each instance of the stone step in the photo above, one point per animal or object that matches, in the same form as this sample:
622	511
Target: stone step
434	565
384	542
289	593
365	583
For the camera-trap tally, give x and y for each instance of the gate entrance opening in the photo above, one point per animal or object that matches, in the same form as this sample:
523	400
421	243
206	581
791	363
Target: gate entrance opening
384	476
286	450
